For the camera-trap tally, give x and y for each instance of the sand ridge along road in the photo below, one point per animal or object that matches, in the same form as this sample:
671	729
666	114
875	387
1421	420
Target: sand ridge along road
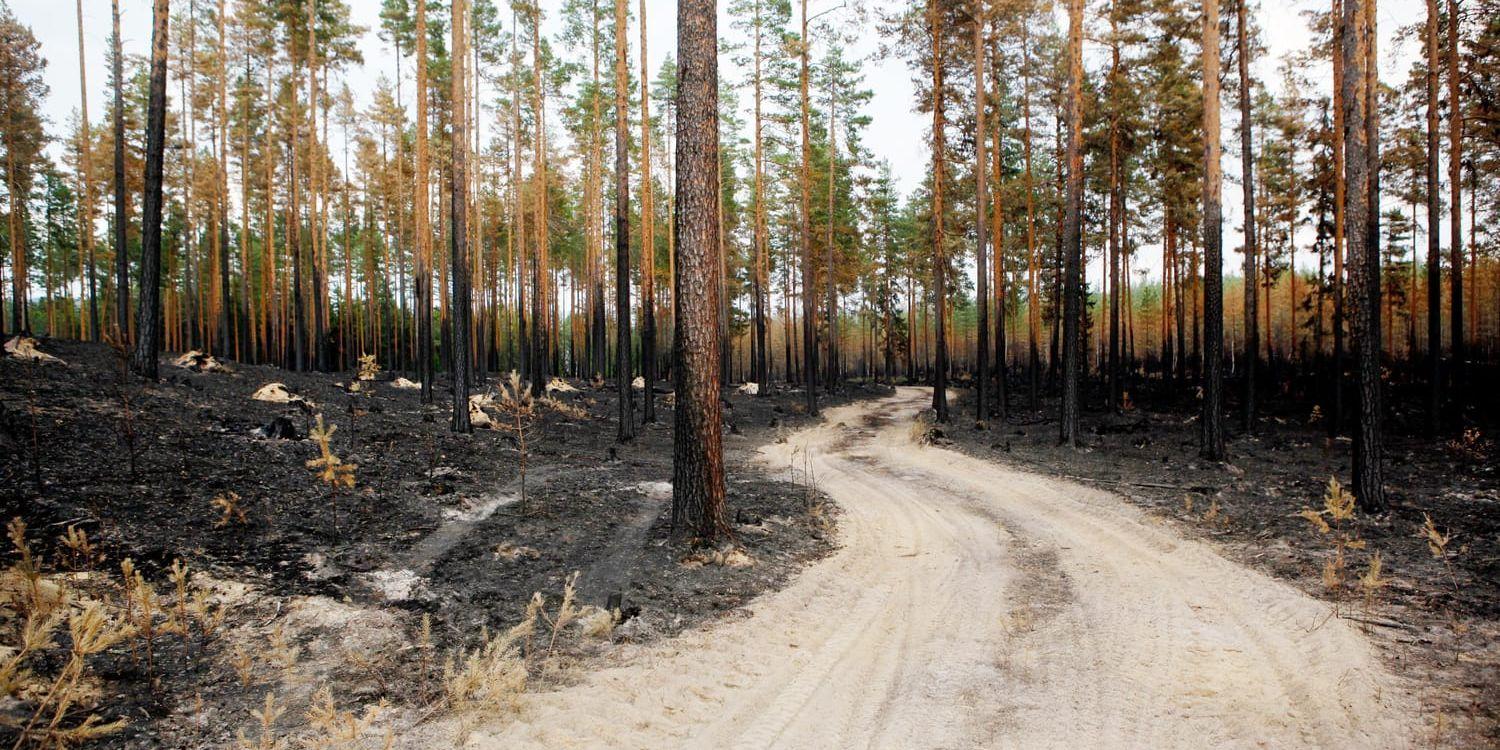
972	605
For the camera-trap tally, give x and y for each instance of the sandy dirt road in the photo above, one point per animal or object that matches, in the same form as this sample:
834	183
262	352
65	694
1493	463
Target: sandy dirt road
972	605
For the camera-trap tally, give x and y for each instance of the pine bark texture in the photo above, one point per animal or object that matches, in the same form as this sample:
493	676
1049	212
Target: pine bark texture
626	396
1211	442
148	321
1251	353
698	457
458	237
1072	236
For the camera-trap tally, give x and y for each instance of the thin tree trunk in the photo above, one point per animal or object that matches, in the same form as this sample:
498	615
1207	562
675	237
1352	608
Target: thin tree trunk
981	202
148	323
421	225
760	362
648	240
121	221
1340	217
623	368
458	235
1251	351
939	251
1434	248
1455	204
86	189
809	309
1211	443
1072	231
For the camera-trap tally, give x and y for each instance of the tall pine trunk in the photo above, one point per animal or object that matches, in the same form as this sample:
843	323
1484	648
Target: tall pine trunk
648	240
1211	443
936	21
1363	252
148	322
809	309
421	225
458	236
86	191
1455	202
981	202
698	457
1072	236
760	361
121	221
623	371
1434	247
1251	352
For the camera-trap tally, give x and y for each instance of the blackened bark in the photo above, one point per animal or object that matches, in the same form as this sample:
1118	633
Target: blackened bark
1251	354
648	241
1455	202
1364	318
1072	242
698	458
809	309
626	415
939	238
1434	248
1211	438
458	205
122	252
981	202
148	321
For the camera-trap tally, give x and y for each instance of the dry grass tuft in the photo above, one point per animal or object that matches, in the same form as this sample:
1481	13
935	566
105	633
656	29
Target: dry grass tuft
228	504
730	557
511	552
489	680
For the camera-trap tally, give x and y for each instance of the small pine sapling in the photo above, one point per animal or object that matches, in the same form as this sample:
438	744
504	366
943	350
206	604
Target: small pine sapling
328	467
518	416
230	511
1338	508
266	716
79	552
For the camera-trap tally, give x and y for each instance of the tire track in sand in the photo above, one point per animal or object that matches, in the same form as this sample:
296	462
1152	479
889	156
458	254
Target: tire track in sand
972	605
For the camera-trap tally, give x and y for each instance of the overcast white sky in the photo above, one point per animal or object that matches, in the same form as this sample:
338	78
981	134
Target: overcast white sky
896	134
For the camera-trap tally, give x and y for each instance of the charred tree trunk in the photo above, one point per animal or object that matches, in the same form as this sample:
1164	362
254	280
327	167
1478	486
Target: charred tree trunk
148	322
760	366
1072	232
1251	352
458	236
421	221
626	396
1434	248
698	458
939	238
981	202
809	308
648	240
1211	443
1455	203
86	191
1363	253
121	221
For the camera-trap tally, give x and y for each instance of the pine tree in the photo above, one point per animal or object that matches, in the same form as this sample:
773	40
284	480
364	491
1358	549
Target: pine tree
148	318
459	300
1072	233
1211	443
623	371
698	460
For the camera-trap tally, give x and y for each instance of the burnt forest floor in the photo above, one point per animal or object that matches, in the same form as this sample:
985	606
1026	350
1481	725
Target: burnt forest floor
1435	617
366	591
